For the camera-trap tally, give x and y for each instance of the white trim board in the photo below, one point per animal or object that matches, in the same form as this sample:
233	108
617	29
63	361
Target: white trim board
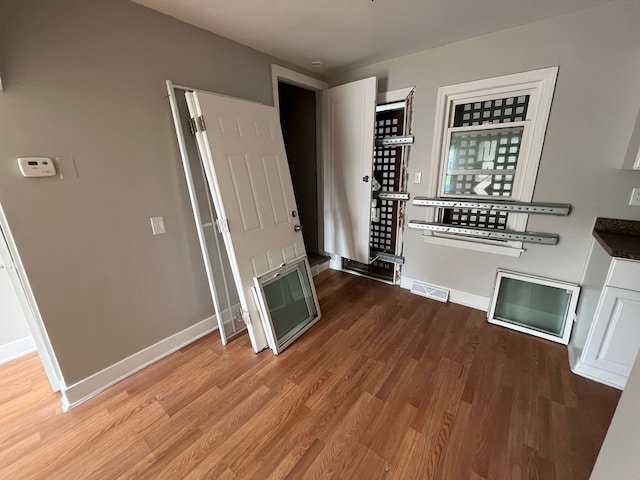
17	348
291	77
83	390
394	95
460	297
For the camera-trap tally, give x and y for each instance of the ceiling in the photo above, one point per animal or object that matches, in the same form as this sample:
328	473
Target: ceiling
342	33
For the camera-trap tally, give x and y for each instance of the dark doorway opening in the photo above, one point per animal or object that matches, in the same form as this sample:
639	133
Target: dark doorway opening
298	117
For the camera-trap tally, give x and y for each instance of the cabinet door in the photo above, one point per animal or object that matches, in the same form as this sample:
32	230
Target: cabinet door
348	122
614	337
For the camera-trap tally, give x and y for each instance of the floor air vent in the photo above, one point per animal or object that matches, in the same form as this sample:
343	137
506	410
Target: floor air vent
430	291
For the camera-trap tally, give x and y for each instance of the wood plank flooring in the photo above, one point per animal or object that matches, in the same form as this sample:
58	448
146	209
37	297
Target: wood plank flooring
388	385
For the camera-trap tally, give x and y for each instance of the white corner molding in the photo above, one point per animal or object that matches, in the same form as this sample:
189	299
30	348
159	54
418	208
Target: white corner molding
17	348
83	390
460	297
596	374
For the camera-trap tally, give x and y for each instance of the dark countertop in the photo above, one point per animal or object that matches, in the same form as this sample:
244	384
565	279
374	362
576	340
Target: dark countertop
619	238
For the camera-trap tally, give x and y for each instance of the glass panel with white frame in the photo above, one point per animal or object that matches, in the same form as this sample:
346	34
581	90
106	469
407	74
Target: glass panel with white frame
287	302
534	305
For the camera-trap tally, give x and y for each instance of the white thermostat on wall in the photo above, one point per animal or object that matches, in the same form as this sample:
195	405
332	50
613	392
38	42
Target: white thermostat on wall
37	166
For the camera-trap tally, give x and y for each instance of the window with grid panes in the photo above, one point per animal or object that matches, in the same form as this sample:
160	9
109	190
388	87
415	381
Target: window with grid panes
490	141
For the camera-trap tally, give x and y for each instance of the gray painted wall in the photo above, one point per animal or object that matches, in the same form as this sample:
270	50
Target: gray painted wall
84	83
596	103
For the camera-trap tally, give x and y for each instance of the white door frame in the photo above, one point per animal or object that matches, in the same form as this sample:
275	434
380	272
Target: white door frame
291	77
11	258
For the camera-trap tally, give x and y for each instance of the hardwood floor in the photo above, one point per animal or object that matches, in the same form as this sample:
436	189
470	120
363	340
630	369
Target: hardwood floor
387	385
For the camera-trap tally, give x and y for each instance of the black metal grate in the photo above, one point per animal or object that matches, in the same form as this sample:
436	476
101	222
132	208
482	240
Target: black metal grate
501	110
468	217
385	165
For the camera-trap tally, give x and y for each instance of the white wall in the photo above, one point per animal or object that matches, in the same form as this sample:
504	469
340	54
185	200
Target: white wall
618	458
596	103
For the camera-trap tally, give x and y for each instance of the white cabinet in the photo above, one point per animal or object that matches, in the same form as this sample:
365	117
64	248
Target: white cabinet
613	340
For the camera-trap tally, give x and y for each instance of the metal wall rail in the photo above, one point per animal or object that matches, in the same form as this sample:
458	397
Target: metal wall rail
562	209
486	233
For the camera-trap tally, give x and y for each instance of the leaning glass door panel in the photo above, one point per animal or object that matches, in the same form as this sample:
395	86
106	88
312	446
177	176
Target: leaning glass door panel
287	302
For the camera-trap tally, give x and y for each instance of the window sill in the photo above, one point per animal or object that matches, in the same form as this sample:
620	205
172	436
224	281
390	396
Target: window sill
471	244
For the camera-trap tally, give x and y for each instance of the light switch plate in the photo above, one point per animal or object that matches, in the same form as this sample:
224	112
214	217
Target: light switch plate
635	197
157	225
417	177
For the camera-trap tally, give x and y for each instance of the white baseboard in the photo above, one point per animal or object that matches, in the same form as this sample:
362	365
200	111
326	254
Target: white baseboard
456	296
599	375
16	349
83	390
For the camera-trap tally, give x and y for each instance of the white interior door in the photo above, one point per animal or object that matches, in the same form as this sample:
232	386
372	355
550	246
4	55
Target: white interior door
248	175
348	121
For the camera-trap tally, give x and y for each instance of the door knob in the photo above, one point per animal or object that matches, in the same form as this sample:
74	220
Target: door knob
365	178
297	228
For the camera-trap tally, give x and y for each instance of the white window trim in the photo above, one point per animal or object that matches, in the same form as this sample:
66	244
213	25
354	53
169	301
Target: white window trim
394	95
541	84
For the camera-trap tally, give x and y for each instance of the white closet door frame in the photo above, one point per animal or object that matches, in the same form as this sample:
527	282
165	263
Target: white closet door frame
291	77
196	209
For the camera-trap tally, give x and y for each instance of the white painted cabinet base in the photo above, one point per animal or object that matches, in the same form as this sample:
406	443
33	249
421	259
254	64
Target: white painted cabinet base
614	336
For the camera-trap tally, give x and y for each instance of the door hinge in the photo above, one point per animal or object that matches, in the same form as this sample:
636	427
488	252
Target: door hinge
246	317
192	126
201	125
223	225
